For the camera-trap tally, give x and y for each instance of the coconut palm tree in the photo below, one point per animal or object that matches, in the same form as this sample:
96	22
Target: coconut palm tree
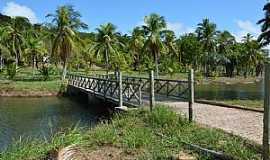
67	22
206	32
4	51
154	26
35	48
136	44
264	37
106	43
252	51
15	36
170	43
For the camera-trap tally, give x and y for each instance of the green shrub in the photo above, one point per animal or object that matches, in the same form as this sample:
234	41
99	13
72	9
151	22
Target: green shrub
164	117
45	71
11	70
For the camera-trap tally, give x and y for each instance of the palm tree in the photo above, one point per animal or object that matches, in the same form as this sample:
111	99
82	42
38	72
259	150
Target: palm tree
170	42
136	44
264	37
252	52
154	26
67	22
225	43
35	48
4	51
14	32
106	43
206	32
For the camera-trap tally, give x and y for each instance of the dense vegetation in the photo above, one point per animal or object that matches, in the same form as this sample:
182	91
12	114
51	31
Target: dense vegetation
140	134
61	44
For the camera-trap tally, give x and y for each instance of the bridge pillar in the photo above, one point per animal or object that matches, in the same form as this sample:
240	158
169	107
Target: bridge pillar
191	95
120	89
152	90
266	117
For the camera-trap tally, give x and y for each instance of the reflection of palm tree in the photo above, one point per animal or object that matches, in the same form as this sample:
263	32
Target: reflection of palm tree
67	21
154	25
106	42
206	34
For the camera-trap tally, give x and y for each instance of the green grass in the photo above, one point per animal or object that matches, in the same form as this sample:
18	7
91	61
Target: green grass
30	86
246	103
147	135
28	80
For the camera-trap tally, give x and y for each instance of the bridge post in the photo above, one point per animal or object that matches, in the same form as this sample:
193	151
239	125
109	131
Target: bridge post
152	90
266	116
191	95
120	89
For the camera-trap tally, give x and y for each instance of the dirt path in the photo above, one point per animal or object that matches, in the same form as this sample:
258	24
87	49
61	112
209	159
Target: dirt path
247	124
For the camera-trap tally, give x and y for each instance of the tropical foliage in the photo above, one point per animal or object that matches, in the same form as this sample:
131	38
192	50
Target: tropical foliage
63	44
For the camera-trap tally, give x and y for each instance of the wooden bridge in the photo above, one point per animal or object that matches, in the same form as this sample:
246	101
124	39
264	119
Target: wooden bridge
135	91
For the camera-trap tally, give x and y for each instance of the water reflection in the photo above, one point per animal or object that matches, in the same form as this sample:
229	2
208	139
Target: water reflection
253	91
37	117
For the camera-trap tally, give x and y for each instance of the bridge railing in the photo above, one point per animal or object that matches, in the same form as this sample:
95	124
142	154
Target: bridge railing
177	89
108	88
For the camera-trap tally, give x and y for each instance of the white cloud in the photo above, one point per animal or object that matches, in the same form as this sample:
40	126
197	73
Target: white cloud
179	28
246	27
13	9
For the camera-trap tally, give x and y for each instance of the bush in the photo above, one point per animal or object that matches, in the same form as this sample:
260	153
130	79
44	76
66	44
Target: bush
45	71
163	117
11	70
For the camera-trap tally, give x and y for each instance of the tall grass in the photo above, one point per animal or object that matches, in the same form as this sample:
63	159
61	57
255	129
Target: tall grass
160	134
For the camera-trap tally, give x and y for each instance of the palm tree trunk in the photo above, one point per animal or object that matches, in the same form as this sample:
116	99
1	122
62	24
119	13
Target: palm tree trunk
64	70
156	63
107	61
1	62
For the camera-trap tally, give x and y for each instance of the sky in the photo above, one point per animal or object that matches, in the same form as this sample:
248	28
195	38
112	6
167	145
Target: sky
182	16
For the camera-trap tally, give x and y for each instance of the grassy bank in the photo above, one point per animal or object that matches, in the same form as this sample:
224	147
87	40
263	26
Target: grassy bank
246	103
30	88
29	82
140	134
252	104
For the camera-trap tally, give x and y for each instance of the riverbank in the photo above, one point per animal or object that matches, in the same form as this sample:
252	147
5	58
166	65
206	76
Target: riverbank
140	134
253	105
10	88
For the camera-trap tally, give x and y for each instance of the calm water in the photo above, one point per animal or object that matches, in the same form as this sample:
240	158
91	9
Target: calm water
253	91
39	117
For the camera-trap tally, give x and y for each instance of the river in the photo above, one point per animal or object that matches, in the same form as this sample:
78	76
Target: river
40	117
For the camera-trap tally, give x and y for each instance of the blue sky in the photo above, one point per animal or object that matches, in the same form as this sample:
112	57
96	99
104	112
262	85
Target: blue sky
237	16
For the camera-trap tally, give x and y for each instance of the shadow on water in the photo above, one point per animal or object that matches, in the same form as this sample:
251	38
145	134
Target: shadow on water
43	117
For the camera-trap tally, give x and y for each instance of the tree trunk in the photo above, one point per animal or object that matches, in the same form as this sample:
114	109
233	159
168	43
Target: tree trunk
16	60
1	62
64	70
107	61
156	63
33	61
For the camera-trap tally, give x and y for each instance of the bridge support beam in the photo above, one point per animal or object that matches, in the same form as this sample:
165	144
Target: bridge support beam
191	95
152	90
266	117
120	83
